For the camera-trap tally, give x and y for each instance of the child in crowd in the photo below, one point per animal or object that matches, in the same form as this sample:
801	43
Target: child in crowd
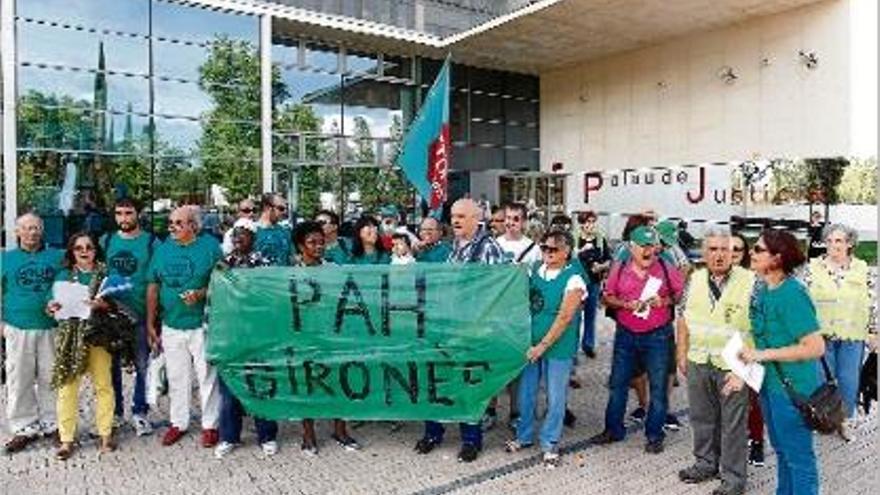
401	250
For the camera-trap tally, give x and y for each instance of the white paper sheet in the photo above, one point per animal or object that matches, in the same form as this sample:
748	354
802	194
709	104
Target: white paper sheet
73	298
752	373
651	288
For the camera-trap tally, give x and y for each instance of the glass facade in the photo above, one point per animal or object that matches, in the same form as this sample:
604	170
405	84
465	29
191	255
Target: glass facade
160	101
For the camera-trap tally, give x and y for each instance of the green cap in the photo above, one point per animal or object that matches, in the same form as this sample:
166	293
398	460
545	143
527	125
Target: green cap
388	211
644	236
668	232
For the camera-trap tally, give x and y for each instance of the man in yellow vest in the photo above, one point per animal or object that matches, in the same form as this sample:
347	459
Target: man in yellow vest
715	307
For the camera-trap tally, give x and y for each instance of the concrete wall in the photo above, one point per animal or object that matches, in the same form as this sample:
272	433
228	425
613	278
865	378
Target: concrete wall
665	105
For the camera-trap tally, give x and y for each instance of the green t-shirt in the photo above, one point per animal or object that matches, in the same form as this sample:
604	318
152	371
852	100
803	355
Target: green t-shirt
438	253
27	287
274	243
545	300
376	258
130	258
782	317
177	269
339	252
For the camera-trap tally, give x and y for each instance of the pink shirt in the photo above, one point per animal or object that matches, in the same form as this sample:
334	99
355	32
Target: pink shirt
627	285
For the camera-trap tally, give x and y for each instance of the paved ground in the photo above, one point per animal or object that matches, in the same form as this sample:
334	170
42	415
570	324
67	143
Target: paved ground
388	465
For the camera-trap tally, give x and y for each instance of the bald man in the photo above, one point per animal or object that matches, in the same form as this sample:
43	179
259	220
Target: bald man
472	244
27	275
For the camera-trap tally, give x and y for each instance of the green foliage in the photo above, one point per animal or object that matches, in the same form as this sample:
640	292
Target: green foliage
230	143
859	183
823	177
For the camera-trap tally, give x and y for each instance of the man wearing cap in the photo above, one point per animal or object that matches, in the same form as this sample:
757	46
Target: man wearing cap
642	291
715	307
672	251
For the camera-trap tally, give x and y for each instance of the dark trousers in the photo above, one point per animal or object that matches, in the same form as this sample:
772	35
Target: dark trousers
231	414
756	419
471	434
141	360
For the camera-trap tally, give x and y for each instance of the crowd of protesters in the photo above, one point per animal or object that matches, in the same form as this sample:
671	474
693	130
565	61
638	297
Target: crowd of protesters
672	320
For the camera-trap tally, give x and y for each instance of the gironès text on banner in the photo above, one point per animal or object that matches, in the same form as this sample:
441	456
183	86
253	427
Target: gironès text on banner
369	342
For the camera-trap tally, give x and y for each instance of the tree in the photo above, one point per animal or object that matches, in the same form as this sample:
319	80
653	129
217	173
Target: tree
859	182
230	144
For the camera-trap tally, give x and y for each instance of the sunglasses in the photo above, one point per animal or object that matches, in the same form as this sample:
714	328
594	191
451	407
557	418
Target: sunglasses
549	249
757	249
516	218
83	249
246	210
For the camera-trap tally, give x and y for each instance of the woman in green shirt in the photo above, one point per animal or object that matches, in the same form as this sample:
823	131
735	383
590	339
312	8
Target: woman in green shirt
366	248
787	339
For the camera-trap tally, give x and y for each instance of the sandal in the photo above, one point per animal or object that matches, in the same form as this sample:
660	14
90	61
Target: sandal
65	452
107	445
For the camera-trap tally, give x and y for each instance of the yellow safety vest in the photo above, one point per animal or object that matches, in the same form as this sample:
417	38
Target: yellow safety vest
709	328
843	310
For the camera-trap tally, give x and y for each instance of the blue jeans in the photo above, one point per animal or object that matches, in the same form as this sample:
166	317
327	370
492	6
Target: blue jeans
591	306
555	376
796	469
471	433
651	351
844	357
141	359
231	413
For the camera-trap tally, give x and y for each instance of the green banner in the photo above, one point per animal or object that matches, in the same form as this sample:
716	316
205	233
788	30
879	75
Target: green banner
410	342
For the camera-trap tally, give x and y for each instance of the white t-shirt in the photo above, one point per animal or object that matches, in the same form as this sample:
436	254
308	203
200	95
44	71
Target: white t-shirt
513	250
575	281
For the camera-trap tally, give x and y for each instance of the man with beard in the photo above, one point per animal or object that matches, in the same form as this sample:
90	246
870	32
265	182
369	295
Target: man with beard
273	239
128	252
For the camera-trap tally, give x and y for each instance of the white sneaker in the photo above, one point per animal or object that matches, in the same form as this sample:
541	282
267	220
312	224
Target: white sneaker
142	425
270	448
31	431
222	449
551	460
847	430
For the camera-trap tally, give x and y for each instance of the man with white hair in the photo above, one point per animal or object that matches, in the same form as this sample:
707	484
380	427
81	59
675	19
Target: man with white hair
472	244
178	282
715	308
27	275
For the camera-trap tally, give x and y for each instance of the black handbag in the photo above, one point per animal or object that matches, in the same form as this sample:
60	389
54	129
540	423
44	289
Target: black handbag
823	409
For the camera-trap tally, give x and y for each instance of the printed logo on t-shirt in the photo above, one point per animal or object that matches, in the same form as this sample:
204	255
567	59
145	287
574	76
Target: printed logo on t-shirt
536	301
35	277
124	263
177	271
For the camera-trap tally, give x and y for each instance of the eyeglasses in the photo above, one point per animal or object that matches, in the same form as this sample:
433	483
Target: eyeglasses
178	223
758	249
514	218
83	249
549	249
